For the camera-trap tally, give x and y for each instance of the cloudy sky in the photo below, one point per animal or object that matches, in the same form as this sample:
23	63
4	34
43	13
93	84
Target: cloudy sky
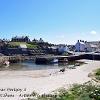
56	21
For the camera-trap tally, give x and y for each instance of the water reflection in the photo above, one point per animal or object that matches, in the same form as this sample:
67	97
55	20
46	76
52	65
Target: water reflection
30	65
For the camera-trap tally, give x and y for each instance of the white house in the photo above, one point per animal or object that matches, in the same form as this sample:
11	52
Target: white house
83	46
80	46
63	48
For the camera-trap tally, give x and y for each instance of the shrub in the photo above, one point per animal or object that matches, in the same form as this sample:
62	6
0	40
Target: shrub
97	72
78	92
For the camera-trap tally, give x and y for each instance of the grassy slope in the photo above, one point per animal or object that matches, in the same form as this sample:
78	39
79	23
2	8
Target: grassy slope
16	44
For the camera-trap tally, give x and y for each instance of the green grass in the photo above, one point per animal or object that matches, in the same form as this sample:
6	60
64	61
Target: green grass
31	46
97	74
17	44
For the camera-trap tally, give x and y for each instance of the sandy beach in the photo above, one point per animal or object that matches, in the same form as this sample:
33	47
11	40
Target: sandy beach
42	82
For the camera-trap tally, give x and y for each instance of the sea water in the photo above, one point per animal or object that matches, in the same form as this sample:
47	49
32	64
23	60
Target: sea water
30	65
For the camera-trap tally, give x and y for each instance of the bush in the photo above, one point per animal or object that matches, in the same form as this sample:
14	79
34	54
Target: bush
97	72
78	92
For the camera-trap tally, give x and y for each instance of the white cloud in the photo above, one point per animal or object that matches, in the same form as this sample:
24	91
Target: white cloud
93	32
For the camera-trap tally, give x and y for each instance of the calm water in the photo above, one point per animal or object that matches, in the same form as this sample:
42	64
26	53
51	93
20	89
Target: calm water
30	65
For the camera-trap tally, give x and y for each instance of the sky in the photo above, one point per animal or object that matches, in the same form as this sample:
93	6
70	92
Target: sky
56	21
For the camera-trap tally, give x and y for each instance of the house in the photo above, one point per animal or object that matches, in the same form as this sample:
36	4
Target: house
20	39
84	46
93	46
80	46
62	48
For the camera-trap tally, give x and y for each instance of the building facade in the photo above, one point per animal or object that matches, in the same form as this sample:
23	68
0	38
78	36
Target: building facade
62	48
84	46
80	46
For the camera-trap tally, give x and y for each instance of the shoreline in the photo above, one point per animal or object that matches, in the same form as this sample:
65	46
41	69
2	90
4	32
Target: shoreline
47	83
39	73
